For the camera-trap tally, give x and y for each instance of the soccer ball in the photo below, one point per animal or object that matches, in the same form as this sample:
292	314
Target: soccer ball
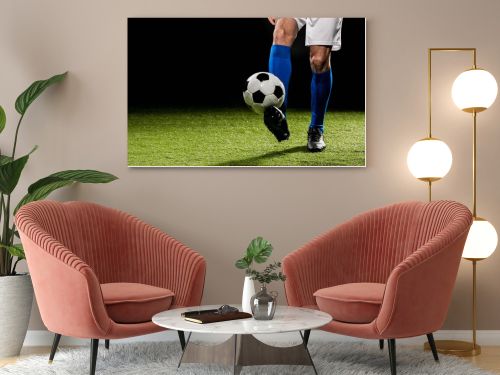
263	90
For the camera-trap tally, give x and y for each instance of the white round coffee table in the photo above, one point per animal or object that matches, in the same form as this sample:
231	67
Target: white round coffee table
242	348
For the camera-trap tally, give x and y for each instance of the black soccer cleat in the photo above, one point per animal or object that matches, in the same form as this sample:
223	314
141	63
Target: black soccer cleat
276	123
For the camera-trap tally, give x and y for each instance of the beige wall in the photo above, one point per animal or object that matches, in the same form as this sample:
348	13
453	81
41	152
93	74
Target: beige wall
83	124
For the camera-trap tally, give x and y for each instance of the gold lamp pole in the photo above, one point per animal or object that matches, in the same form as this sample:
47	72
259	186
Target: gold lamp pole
429	159
473	91
475	349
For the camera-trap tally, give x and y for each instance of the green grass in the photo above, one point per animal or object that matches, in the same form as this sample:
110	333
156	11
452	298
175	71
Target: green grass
238	137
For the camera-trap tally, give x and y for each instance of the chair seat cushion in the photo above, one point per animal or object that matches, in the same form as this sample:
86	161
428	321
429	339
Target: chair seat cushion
135	303
351	303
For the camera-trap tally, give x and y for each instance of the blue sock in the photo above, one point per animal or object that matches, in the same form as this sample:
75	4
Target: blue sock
280	64
321	86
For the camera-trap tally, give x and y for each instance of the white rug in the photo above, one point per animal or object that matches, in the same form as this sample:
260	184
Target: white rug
162	358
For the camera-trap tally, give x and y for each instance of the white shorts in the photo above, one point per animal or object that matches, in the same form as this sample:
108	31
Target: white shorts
322	31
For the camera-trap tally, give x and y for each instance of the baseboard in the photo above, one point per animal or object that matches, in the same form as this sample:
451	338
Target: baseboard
484	337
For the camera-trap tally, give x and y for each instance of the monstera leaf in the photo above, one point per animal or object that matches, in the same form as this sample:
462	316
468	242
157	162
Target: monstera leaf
242	263
258	250
31	93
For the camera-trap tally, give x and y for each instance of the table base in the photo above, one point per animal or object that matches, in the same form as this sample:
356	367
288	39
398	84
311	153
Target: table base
246	350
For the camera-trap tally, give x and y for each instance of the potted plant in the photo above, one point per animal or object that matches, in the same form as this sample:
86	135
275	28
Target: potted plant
258	251
16	291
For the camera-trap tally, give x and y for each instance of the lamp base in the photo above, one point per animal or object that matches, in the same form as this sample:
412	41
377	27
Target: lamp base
457	348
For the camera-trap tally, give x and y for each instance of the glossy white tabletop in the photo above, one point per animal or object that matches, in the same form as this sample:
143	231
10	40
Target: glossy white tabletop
286	319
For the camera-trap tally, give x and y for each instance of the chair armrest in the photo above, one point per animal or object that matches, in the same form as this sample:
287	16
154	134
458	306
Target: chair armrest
165	262
323	262
419	289
67	290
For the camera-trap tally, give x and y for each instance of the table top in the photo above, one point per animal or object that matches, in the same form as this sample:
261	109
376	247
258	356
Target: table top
286	319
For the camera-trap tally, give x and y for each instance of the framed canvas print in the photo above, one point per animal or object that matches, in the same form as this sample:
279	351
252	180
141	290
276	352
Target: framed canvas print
246	92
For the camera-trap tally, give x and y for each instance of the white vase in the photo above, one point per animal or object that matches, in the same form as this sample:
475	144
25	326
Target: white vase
248	292
16	298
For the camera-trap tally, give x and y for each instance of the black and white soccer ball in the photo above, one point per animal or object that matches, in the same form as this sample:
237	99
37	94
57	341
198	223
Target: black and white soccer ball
263	90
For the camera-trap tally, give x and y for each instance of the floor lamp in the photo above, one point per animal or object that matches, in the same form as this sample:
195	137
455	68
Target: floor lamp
473	91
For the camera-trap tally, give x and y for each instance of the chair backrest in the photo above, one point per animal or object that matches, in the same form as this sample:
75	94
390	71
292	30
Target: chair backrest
96	234
379	242
388	235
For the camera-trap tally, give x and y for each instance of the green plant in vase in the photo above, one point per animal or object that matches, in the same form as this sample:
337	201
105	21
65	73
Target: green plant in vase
258	251
16	292
262	305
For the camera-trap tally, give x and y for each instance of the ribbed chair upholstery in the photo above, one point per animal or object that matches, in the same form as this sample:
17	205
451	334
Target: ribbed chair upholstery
385	274
80	254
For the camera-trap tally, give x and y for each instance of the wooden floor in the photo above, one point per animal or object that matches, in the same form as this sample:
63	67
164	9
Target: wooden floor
488	360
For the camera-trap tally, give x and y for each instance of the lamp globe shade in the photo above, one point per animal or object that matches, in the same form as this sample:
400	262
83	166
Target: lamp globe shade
481	241
429	159
474	90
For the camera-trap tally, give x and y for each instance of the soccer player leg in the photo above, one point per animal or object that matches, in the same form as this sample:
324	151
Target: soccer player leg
322	36
280	64
280	60
321	84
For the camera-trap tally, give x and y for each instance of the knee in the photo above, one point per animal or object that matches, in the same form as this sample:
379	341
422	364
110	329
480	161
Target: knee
282	37
320	62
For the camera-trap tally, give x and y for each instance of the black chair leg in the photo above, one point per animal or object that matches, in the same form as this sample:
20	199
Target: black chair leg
432	344
392	355
55	344
182	339
381	344
94	345
106	344
307	333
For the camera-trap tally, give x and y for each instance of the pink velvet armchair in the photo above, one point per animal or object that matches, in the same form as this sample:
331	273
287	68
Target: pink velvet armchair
99	273
385	274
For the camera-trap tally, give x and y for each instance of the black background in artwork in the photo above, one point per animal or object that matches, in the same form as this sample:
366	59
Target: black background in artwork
191	62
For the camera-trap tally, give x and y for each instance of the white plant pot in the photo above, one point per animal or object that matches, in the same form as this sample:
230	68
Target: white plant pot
248	292
16	298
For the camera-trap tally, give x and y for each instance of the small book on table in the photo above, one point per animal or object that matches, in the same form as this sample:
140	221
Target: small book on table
213	316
